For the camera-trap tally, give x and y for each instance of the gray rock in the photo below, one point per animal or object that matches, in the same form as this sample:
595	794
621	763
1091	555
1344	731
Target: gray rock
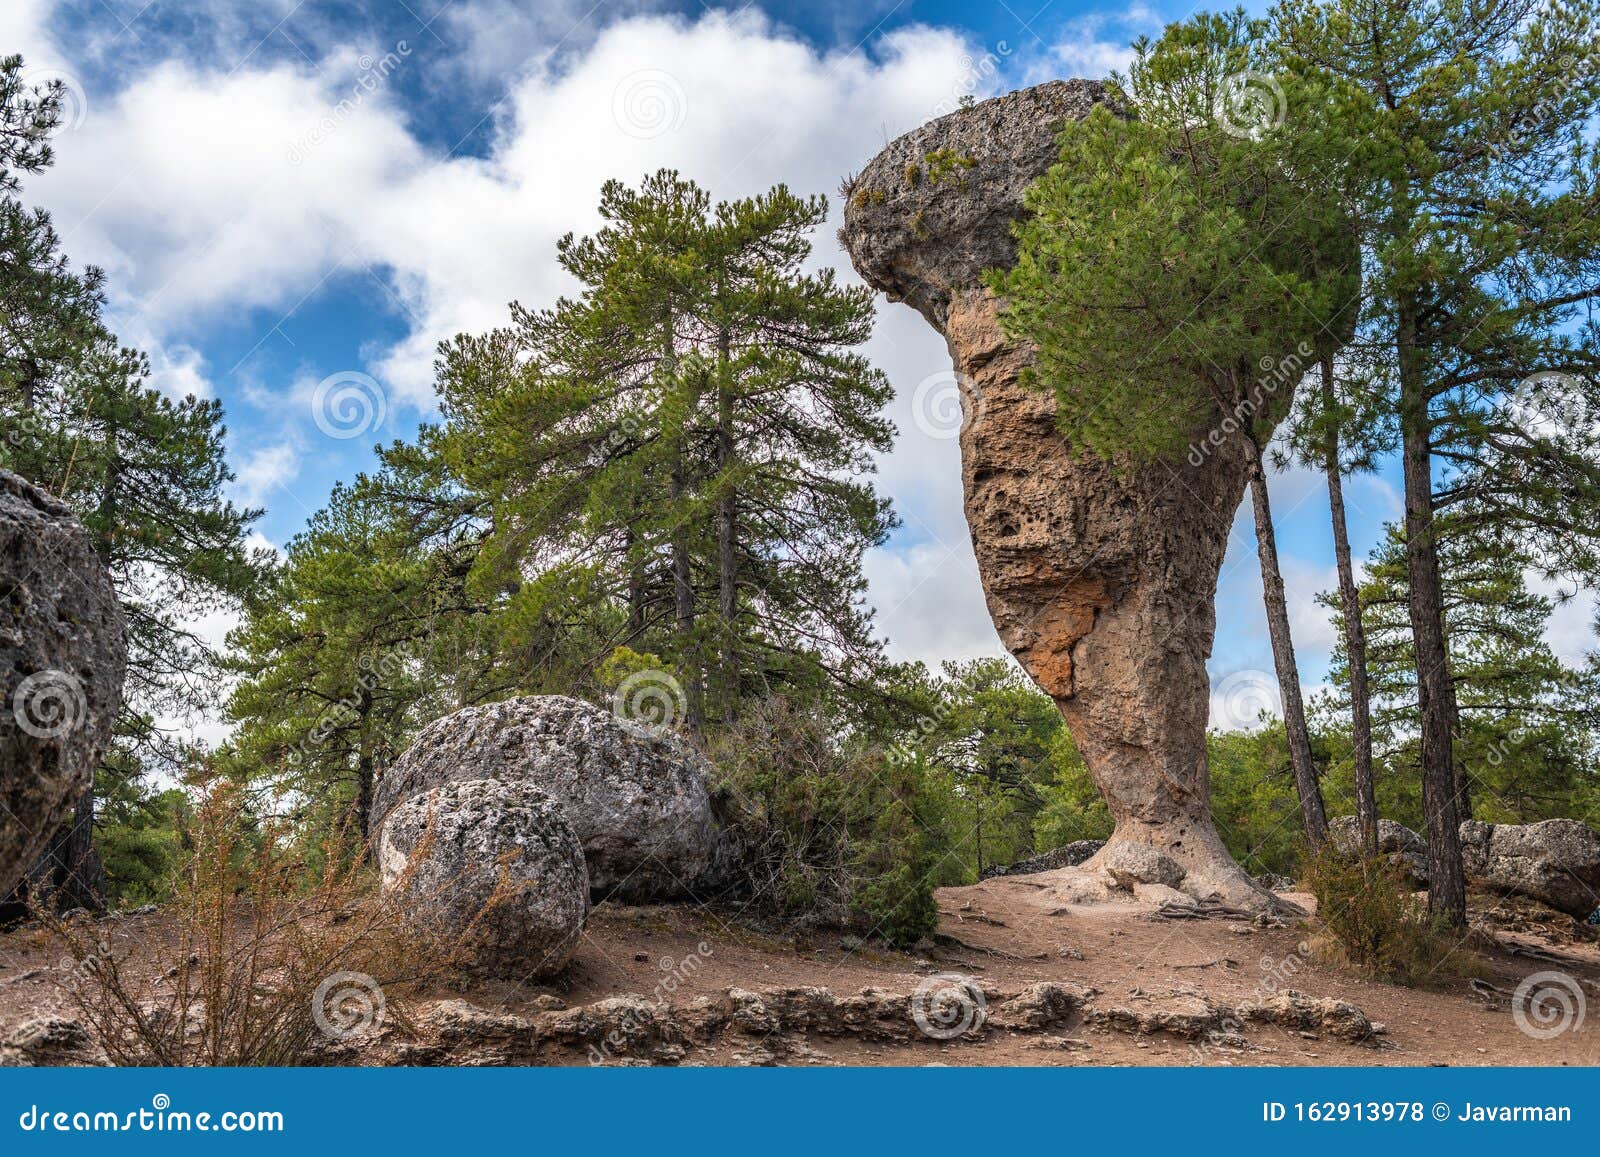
1556	861
62	655
496	862
920	235
1395	841
1129	864
1066	856
52	1041
636	796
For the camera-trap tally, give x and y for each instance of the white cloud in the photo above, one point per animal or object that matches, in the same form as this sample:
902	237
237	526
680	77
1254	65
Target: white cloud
208	194
261	473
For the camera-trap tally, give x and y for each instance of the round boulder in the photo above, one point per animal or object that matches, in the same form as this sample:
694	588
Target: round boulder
62	655
637	796
495	862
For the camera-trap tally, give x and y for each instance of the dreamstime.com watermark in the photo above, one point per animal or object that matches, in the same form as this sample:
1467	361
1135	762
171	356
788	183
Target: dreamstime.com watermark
1276	373
945	404
1275	975
159	1117
370	77
651	696
1547	1004
674	973
348	404
50	704
347	711
348	1005
947	1005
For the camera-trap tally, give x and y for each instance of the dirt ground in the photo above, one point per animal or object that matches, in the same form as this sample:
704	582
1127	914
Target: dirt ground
1007	933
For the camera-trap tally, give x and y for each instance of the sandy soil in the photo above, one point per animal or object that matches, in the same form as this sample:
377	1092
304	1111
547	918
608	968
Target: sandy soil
1010	932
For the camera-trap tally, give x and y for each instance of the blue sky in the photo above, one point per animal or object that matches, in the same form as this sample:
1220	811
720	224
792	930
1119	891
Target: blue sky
295	202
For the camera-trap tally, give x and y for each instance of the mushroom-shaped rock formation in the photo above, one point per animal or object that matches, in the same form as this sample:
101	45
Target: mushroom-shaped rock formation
62	654
1100	579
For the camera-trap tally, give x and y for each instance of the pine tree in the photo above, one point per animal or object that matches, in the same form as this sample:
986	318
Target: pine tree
671	461
144	474
1464	126
356	641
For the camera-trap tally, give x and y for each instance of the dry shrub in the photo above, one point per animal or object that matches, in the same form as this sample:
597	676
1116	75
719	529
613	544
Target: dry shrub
267	961
1375	924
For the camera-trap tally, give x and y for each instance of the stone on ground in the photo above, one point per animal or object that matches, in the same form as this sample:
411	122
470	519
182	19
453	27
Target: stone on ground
494	866
636	796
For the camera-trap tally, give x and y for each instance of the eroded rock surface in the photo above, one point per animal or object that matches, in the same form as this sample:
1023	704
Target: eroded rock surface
62	655
1100	577
1395	841
773	1025
495	864
1556	861
636	796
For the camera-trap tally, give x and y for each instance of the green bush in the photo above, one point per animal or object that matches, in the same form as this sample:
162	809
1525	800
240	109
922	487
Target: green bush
834	832
1375	922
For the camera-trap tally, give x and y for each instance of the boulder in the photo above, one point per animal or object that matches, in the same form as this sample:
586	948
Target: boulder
1100	578
1395	841
637	796
1556	861
62	655
1129	865
493	863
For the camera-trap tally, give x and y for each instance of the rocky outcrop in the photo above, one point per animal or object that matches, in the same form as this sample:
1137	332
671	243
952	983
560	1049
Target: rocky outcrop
52	1041
62	654
636	796
494	867
1396	842
1100	577
773	1025
1556	861
1066	856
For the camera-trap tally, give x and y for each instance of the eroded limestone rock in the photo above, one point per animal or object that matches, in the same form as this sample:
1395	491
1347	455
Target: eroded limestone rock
637	796
1100	578
62	655
495	864
1556	861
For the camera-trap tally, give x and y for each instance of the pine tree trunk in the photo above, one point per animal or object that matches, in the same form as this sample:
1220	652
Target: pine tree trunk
364	764
683	605
727	536
1447	891
1314	817
1355	635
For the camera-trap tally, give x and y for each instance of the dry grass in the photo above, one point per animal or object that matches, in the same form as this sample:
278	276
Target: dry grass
270	962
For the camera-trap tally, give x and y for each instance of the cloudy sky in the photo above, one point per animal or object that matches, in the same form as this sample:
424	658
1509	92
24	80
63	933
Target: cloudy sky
294	202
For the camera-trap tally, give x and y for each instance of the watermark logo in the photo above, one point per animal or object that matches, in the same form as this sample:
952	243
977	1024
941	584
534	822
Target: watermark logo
1250	105
348	1004
948	1004
652	697
946	403
649	103
1239	700
348	404
371	75
69	92
1552	405
1547	1004
49	704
